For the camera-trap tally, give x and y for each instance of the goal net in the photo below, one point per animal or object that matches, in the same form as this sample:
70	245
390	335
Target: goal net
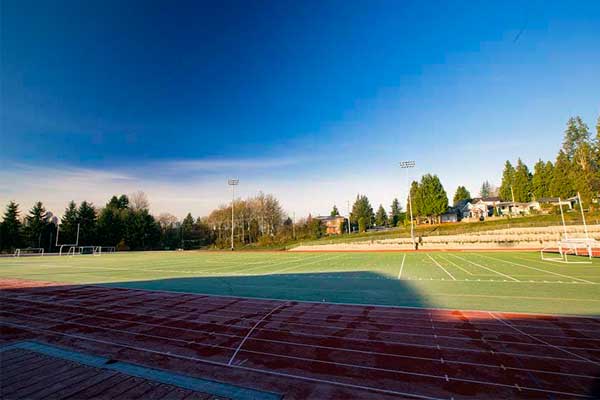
99	250
574	247
29	251
570	249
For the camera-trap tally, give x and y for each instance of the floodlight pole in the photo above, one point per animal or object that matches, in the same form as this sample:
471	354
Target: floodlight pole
233	183
406	165
582	216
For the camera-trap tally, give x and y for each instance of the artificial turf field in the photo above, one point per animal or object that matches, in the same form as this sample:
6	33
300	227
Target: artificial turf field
266	326
502	281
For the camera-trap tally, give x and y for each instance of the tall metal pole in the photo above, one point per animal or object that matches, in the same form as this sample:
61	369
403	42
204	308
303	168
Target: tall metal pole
348	203
406	165
583	216
232	183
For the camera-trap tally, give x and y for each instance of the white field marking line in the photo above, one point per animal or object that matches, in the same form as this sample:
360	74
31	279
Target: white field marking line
456	265
252	330
85	316
285	322
401	267
221	364
260	264
541	270
303	265
543	341
312	260
484	267
440	265
445	377
329	303
328	336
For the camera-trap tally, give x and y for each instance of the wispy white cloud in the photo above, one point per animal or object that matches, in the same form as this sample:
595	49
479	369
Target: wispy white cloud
227	164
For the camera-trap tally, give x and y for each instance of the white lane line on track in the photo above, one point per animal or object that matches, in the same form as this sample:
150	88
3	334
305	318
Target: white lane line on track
267	315
84	317
535	389
401	314
440	265
401	266
283	322
258	299
539	269
484	267
139	312
543	341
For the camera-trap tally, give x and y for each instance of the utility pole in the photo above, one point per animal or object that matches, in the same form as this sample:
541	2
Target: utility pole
512	193
233	183
406	165
348	204
294	225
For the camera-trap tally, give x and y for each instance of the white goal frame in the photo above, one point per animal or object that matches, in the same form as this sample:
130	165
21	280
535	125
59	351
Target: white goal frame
98	250
39	251
569	246
71	246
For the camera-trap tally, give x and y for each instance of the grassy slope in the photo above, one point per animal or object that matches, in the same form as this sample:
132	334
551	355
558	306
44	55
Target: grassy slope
571	218
486	281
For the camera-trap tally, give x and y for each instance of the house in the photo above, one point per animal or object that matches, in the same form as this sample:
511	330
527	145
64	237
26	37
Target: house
556	201
452	215
333	225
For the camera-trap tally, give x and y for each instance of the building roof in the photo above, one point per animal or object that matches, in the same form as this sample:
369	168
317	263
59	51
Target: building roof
486	199
329	217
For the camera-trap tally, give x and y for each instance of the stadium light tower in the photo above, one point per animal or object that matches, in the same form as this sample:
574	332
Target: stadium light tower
406	165
233	183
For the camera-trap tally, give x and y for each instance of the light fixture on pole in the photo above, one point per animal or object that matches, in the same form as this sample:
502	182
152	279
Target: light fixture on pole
233	183
406	165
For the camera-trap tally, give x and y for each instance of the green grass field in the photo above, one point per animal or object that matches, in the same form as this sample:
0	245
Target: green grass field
503	281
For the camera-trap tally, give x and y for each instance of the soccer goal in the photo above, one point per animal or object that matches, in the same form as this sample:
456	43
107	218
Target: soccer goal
579	249
69	247
29	251
99	250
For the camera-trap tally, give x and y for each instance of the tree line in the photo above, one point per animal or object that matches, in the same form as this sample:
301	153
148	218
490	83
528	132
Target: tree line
576	169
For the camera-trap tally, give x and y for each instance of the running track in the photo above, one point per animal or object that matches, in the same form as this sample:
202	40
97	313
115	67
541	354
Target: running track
314	350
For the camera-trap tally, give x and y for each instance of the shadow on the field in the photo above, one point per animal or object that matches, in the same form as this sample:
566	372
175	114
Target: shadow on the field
69	315
364	287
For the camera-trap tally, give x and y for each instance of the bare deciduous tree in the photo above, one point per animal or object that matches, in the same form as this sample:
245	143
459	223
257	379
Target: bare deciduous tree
139	201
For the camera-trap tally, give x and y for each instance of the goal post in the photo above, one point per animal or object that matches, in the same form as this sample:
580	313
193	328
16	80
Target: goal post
29	251
571	246
70	246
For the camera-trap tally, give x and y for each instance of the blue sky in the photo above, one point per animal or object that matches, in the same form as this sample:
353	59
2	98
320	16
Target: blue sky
312	101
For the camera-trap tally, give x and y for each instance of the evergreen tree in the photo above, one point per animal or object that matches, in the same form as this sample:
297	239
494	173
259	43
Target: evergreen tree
396	212
522	182
11	228
576	134
561	185
486	189
68	224
415	201
434	197
334	211
87	218
36	226
362	209
461	194
508	177
381	217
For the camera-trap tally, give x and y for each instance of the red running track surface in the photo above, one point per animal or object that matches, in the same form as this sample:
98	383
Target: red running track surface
314	350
